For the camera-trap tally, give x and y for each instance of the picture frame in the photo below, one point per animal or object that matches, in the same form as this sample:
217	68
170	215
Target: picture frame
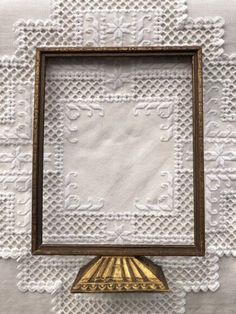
38	247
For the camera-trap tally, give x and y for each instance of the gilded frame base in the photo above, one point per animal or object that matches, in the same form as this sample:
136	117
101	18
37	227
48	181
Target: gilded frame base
120	274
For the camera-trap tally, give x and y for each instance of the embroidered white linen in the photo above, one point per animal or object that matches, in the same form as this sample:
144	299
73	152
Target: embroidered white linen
98	23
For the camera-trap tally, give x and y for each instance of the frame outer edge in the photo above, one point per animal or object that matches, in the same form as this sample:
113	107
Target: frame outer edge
156	250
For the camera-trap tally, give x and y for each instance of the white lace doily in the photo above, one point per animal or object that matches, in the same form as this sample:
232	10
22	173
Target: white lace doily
86	23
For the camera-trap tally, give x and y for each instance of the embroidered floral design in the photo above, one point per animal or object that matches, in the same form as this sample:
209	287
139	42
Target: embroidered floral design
119	234
117	28
164	203
164	108
16	158
73	202
220	155
117	79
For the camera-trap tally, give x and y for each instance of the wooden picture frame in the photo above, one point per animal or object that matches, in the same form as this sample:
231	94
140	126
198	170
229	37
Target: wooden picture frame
198	248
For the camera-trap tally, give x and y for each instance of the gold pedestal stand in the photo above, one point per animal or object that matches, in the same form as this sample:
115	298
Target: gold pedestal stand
120	274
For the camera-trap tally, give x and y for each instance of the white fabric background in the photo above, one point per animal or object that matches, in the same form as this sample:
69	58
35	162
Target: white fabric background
12	301
113	154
